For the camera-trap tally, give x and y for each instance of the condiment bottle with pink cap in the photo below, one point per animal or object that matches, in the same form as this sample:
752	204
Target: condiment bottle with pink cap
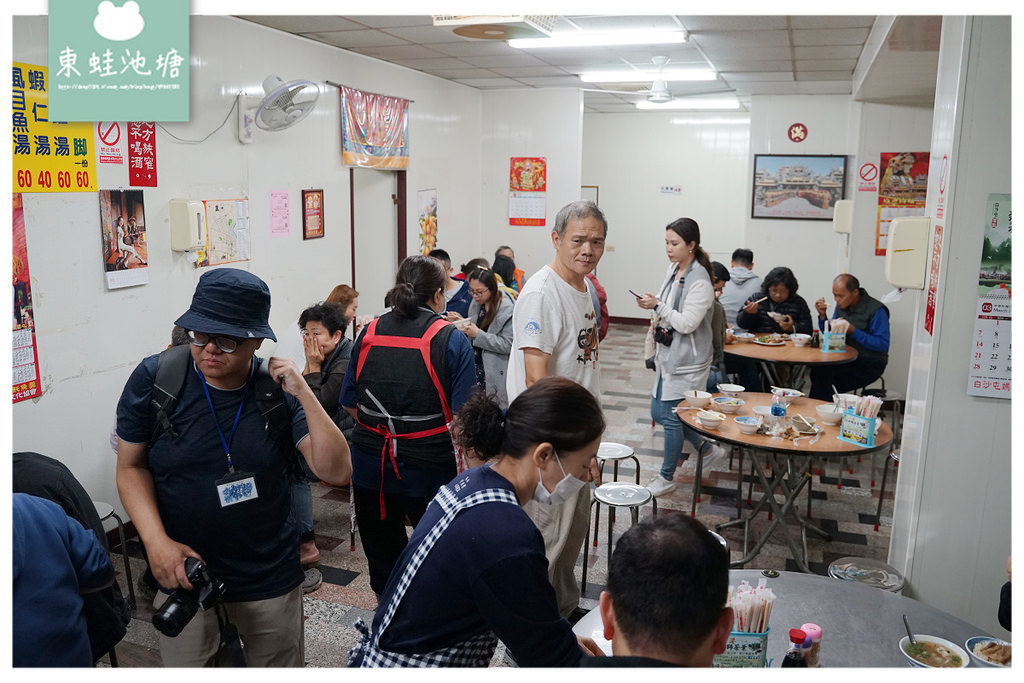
813	631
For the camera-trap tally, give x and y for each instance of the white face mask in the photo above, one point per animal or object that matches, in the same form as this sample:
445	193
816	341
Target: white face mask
564	490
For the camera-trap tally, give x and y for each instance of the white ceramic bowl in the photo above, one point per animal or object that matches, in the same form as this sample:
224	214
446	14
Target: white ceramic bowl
747	423
848	400
829	413
697	399
727	404
956	649
710	419
745	337
733	390
800	339
762	411
788	395
981	640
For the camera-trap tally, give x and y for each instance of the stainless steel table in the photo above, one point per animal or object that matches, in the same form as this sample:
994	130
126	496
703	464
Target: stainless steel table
861	626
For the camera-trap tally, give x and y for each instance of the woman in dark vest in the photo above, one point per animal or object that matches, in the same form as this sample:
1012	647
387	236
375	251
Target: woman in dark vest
474	571
406	376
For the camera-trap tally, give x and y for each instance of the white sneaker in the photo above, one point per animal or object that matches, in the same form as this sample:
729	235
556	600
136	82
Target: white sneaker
714	454
312	580
659	486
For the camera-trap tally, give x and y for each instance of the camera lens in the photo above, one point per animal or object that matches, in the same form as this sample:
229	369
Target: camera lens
175	613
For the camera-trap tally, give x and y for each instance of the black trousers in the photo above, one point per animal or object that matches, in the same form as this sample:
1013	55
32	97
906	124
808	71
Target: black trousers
384	539
845	377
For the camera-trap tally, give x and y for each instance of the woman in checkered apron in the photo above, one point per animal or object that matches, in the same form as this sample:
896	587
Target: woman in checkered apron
474	570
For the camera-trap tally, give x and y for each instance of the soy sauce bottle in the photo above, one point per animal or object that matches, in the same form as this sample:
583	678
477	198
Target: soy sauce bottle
815	340
795	656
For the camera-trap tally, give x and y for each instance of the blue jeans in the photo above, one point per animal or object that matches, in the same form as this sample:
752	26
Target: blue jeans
675	432
715	377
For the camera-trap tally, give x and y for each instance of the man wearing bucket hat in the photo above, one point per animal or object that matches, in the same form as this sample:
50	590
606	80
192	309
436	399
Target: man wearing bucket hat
213	485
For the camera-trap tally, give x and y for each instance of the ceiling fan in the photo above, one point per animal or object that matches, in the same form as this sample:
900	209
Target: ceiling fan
659	92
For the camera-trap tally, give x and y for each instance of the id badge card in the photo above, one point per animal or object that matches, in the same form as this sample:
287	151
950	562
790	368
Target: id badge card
237	487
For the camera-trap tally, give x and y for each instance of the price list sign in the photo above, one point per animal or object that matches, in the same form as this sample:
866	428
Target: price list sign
49	156
991	344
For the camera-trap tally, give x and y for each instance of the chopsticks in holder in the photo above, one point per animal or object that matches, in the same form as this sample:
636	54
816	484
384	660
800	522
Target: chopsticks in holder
752	607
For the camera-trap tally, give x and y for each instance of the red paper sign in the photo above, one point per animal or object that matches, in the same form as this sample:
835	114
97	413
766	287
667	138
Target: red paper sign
25	356
142	154
933	279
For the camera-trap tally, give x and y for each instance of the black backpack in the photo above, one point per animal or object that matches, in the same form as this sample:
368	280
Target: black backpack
172	367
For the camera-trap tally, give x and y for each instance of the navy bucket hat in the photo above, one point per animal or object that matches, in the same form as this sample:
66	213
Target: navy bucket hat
232	302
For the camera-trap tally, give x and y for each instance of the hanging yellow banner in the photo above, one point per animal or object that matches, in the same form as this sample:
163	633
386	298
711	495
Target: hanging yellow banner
48	156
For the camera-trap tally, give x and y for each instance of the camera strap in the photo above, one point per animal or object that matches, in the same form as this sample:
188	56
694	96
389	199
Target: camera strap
230	642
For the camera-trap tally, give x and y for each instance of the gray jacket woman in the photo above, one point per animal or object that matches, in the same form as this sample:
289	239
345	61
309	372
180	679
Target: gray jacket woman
489	327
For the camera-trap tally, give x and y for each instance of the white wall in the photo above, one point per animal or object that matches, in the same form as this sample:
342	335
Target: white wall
630	157
526	123
952	520
831	126
90	339
884	128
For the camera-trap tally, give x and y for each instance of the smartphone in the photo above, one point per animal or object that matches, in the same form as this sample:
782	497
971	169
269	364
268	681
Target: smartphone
638	296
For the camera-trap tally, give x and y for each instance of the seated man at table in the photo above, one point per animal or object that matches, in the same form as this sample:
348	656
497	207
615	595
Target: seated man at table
668	584
866	323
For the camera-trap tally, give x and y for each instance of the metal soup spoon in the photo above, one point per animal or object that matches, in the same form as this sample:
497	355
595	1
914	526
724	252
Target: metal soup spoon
910	634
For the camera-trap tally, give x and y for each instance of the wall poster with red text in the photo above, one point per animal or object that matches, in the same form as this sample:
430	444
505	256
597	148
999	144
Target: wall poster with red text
25	356
527	196
902	192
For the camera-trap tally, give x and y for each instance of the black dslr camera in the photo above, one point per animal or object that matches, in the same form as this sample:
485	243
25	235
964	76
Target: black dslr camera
663	335
182	604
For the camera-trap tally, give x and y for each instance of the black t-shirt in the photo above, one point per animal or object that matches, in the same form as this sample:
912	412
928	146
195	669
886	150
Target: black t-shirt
250	546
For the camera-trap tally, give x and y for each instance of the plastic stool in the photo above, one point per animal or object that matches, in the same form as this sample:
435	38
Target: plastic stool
105	512
616	495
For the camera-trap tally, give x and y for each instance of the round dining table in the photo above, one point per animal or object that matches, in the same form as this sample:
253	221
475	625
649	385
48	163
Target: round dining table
861	626
782	466
773	356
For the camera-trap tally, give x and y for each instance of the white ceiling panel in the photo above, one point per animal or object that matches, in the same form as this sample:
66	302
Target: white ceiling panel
757	54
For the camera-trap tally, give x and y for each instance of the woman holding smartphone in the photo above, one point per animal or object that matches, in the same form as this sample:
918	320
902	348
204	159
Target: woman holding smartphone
681	324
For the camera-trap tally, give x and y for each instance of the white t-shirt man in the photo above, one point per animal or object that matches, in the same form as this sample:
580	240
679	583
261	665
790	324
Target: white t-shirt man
554	317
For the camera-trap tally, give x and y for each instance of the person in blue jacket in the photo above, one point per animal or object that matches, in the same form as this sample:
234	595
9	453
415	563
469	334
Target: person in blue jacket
55	560
866	323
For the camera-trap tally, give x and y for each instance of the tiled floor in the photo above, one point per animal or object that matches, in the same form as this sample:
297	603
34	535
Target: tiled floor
848	512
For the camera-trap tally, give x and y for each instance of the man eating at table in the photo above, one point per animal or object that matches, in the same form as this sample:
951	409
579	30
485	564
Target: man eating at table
668	583
865	320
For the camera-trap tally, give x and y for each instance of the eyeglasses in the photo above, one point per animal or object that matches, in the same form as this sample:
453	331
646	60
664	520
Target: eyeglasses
225	344
478	292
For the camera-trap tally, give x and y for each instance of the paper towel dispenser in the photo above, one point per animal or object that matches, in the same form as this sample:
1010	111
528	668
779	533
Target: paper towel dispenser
907	253
842	216
188	224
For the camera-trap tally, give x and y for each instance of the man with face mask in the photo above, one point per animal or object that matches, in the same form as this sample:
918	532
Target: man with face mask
555	333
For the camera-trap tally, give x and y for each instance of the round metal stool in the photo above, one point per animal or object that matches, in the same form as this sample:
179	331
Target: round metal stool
616	495
869	572
105	512
616	452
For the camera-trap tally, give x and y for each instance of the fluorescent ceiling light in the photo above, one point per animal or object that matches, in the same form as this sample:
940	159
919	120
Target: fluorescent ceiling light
693	103
600	38
638	76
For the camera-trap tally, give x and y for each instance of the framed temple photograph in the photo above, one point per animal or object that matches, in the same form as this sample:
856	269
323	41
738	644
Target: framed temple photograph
312	214
797	186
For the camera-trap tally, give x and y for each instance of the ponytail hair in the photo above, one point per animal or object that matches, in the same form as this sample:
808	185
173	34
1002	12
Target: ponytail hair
555	410
419	278
689	231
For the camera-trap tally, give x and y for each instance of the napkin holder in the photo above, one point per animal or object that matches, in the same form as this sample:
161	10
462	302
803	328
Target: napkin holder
744	650
857	429
833	342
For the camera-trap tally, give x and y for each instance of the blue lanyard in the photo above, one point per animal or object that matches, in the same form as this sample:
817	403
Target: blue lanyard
226	442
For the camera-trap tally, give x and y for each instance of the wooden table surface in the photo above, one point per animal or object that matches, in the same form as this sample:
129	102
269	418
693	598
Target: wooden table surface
790	353
827	445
